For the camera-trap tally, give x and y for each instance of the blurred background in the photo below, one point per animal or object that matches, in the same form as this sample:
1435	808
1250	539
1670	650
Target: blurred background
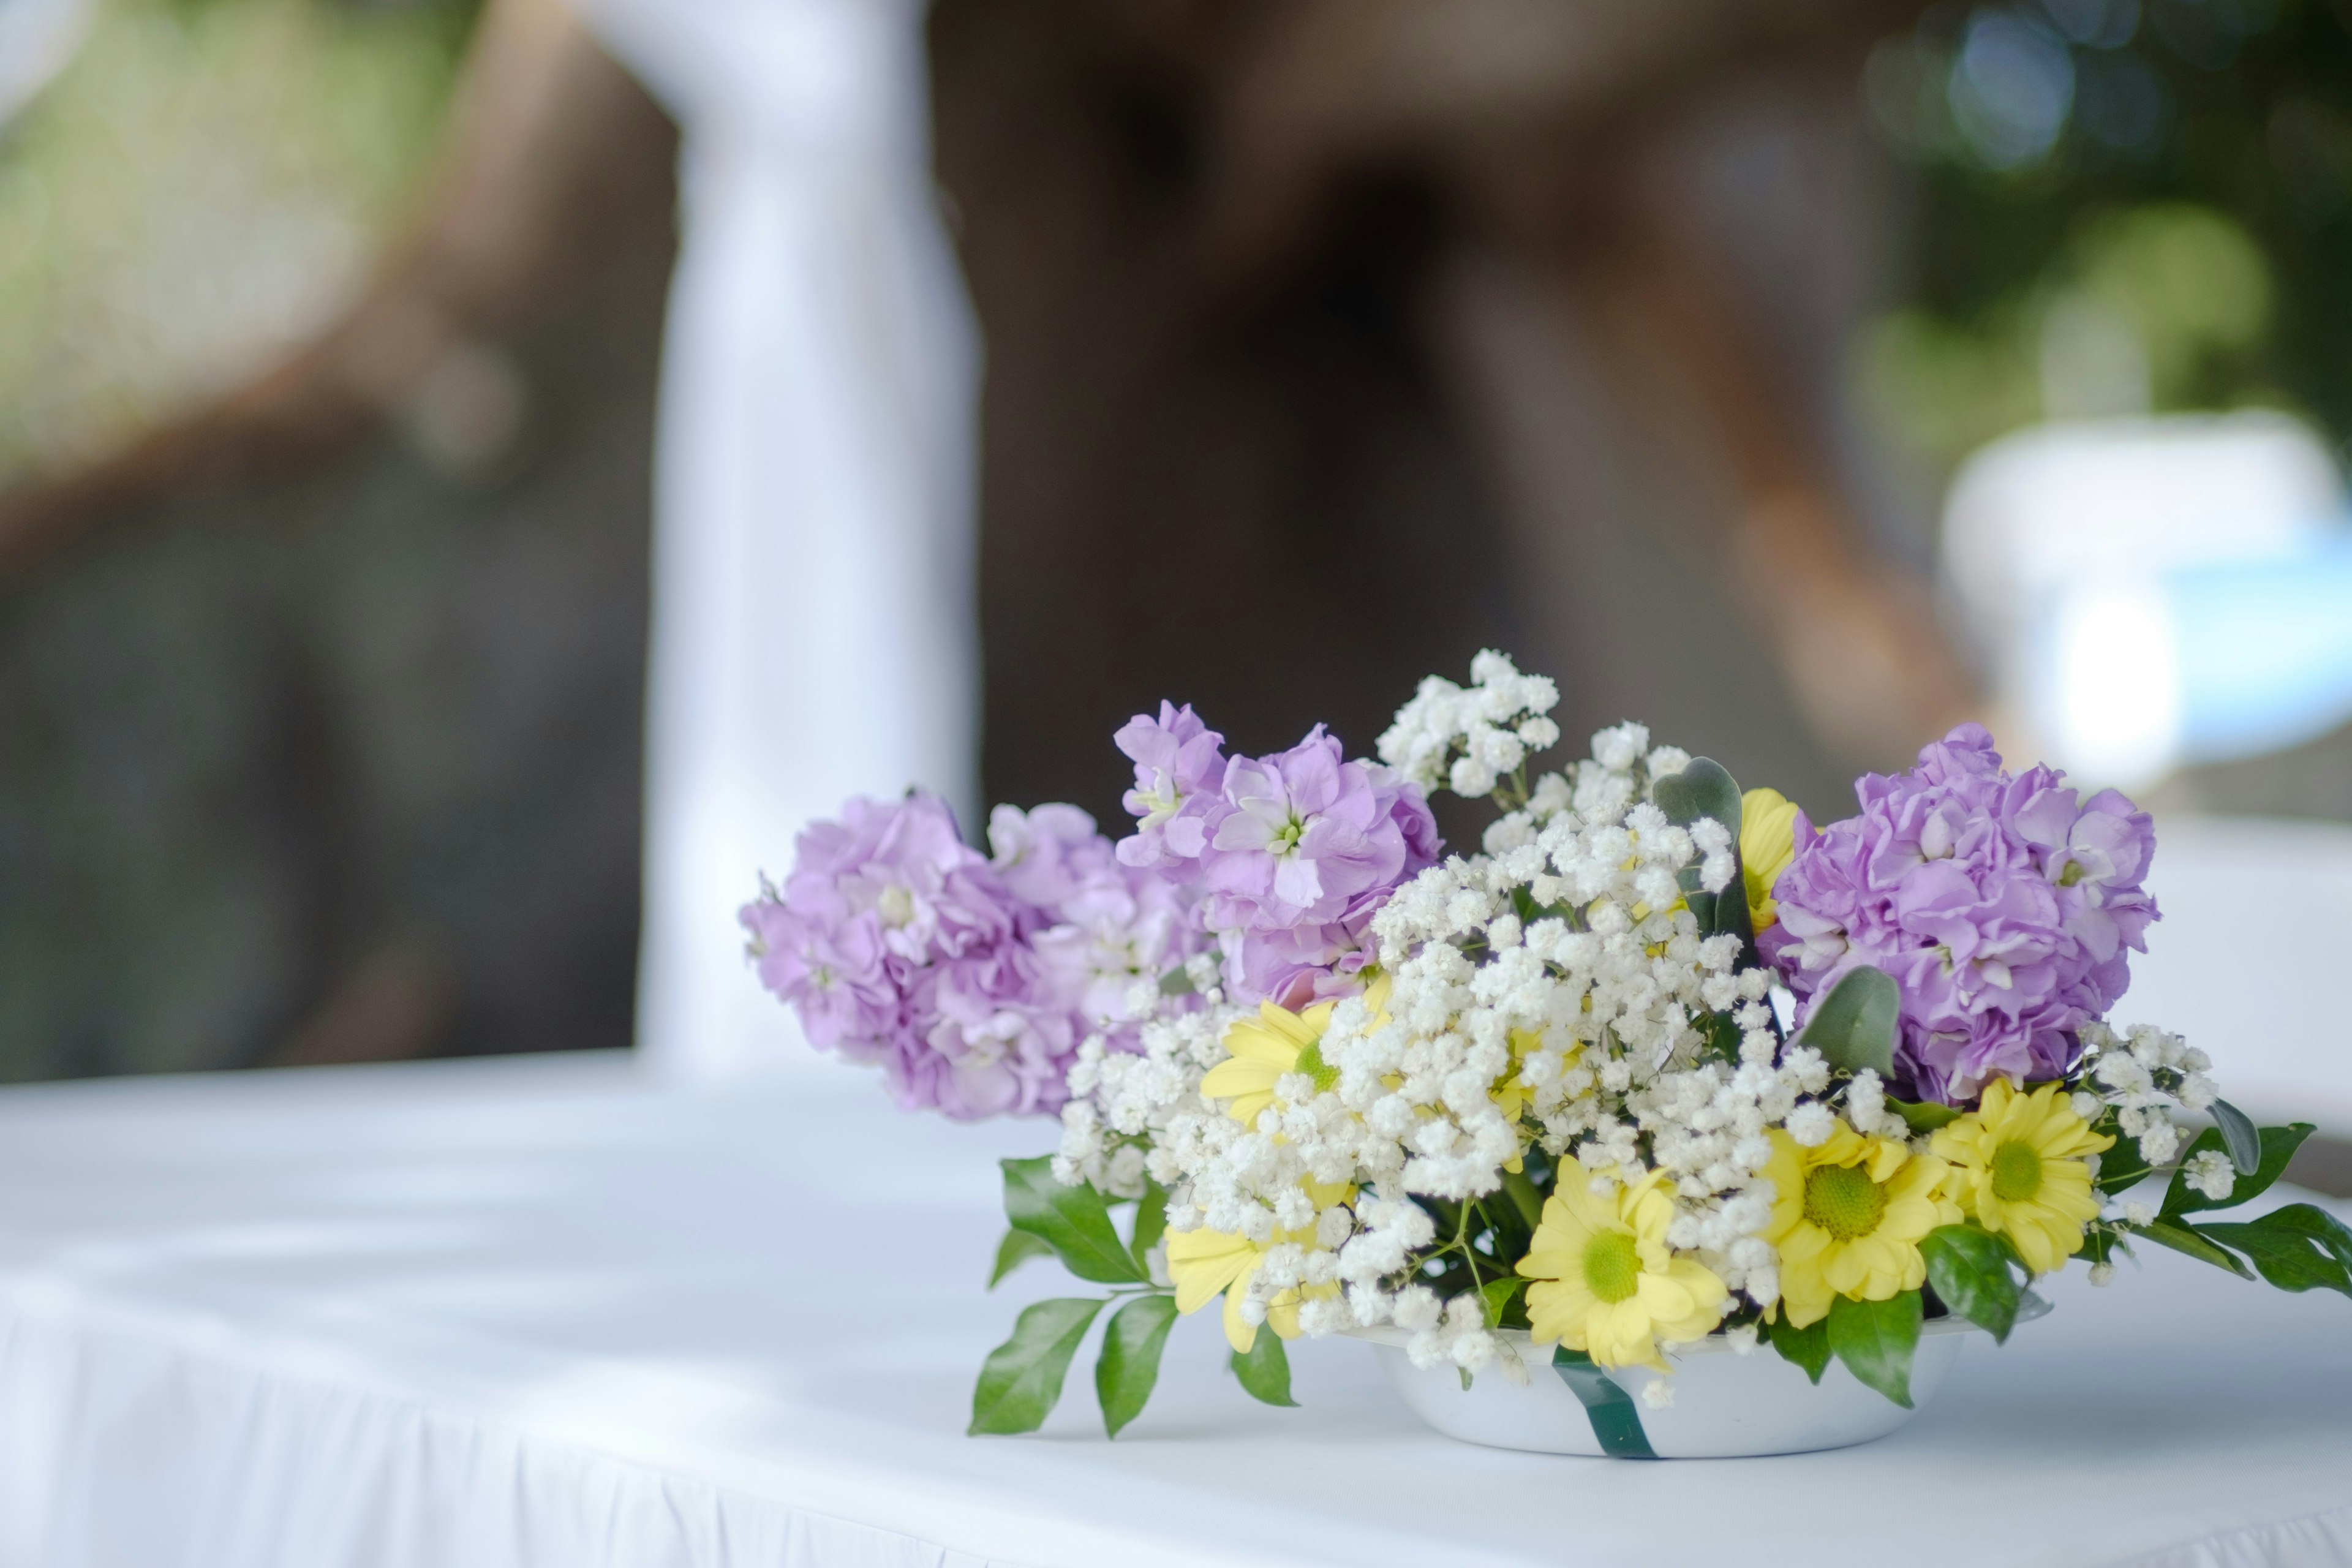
1799	377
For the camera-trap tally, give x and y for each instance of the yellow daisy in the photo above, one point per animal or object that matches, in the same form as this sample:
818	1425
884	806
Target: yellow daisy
2019	1166
1606	1281
1260	1051
1767	842
1848	1217
1204	1263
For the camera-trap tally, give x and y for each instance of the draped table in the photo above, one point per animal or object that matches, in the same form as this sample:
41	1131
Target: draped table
542	1312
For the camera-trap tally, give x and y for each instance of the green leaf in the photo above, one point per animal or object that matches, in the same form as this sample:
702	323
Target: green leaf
2184	1238
2278	1147
1073	1221
2239	1135
1525	1196
1808	1348
1017	1248
1876	1339
1705	788
1722	1034
1129	1364
1854	1025
1177	982
1022	1378
1969	1266
1150	1224
1265	1369
1923	1116
2123	1166
1498	1295
2298	1247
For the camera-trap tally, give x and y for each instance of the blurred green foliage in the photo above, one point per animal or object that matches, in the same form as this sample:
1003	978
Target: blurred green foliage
202	188
2121	205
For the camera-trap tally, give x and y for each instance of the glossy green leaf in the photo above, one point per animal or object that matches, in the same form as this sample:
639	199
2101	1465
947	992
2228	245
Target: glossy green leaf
1150	1224
1876	1339
1265	1369
2186	1239
1923	1115
2239	1136
1129	1365
1854	1025
1017	1248
1022	1378
1808	1348
1705	788
1969	1269
1073	1221
2278	1147
1498	1295
2298	1247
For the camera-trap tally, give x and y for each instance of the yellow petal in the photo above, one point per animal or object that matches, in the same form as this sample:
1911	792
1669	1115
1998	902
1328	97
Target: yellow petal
1203	1262
1240	1332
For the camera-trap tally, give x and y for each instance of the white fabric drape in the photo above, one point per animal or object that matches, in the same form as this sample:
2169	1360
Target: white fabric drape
814	625
527	1314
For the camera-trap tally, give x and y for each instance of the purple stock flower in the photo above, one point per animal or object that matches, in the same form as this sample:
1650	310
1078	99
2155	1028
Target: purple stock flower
2003	908
1178	767
1302	834
1295	853
904	866
971	982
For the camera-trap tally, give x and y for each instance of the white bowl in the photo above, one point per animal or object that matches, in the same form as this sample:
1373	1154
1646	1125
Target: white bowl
1725	1404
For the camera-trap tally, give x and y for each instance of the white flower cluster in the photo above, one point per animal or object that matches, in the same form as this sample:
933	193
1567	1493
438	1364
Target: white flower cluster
1469	740
1550	991
2211	1173
1115	1122
2142	1072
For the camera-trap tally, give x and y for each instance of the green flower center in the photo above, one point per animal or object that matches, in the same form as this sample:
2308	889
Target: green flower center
2016	1172
1843	1201
1287	837
1612	1267
2071	875
1311	1063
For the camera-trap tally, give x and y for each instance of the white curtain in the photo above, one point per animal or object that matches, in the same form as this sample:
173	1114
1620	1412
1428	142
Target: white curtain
36	39
814	628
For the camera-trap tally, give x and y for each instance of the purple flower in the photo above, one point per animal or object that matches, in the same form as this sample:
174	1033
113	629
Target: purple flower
971	982
1303	847
905	865
1291	855
2003	906
831	971
1178	767
1303	833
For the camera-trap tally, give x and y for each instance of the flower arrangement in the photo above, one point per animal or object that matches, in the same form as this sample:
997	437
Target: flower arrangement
1662	1063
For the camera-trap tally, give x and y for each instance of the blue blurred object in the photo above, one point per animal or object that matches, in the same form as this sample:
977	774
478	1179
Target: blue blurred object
2263	650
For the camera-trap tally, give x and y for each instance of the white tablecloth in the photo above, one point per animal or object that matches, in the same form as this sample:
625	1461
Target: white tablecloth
532	1312
2243	965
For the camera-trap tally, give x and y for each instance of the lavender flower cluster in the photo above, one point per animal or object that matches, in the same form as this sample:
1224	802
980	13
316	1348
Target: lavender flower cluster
1294	853
973	980
970	980
2003	906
